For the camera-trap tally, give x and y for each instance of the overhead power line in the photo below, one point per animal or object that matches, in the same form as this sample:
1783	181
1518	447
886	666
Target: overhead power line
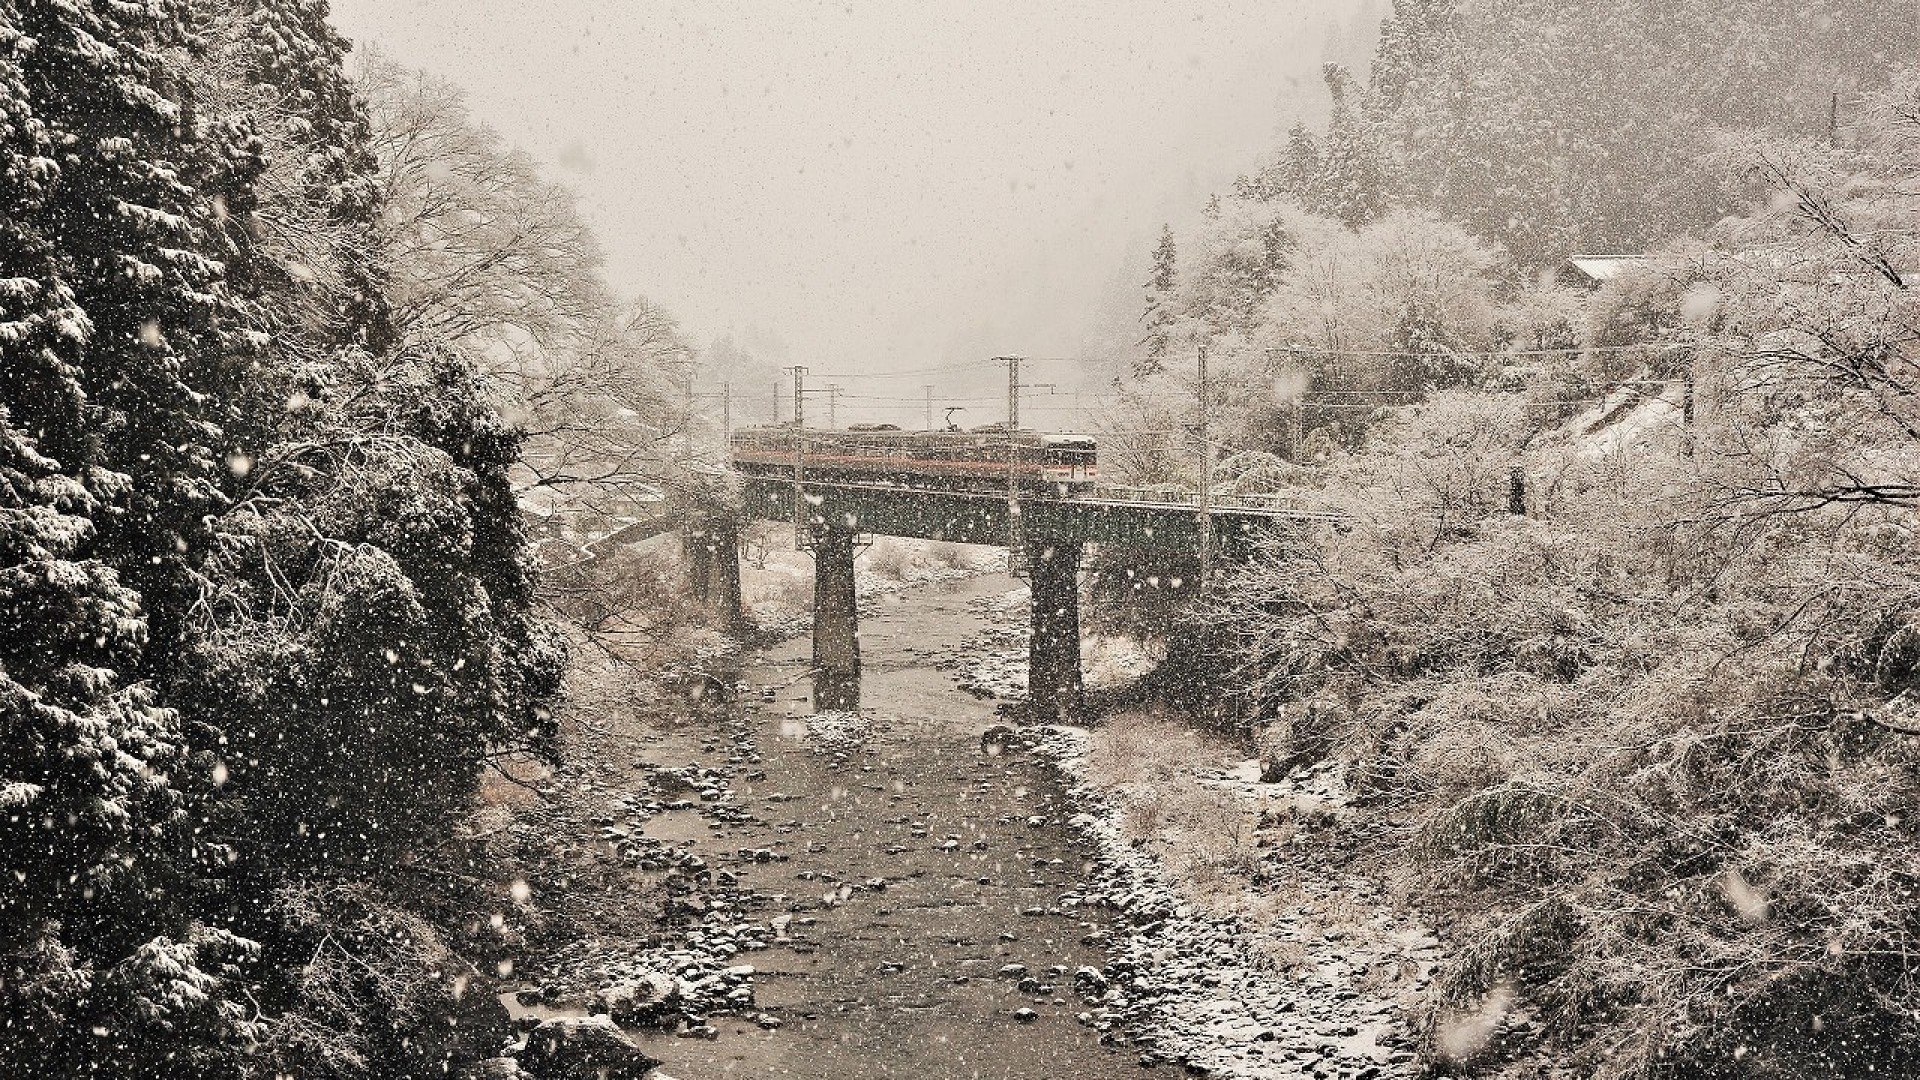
1306	350
965	365
986	365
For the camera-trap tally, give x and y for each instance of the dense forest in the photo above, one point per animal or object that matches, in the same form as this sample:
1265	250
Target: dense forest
282	352
1615	638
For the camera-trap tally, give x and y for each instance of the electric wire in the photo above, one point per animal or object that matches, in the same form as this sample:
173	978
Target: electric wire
1296	350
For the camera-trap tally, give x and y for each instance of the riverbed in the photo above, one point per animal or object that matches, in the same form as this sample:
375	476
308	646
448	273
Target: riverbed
922	888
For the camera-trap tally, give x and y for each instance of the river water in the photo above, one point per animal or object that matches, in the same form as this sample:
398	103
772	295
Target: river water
918	867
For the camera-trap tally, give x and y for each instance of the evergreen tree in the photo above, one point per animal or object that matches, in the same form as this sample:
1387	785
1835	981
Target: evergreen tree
364	638
1353	184
265	601
1159	314
1424	350
134	218
1554	128
278	67
109	345
1294	173
1300	165
1414	41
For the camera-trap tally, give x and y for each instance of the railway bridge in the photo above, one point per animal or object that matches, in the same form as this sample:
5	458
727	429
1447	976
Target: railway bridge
1046	530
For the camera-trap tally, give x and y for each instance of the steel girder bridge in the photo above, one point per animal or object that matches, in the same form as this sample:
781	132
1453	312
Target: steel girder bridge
1046	534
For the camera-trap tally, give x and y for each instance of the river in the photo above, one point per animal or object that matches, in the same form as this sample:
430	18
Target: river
918	867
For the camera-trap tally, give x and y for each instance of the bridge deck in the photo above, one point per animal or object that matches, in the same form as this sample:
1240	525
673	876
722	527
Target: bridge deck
1113	516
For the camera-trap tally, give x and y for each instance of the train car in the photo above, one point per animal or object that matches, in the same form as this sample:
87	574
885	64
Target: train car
980	460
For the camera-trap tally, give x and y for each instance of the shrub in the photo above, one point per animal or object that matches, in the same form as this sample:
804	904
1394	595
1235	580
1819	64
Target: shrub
1648	769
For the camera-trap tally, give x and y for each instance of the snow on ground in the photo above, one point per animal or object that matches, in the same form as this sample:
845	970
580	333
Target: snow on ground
1192	990
835	734
1627	421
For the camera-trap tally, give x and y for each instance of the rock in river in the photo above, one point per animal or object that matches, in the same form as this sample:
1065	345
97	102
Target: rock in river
1089	982
583	1048
646	997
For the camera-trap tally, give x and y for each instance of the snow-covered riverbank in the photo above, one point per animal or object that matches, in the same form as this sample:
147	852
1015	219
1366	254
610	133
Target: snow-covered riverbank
1243	957
1195	986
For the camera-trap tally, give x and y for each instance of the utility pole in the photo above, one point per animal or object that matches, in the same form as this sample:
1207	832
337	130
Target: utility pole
776	403
726	412
1013	392
799	457
929	406
833	406
1206	478
686	426
1014	553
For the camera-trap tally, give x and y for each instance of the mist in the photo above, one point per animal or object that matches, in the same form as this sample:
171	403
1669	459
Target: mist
881	187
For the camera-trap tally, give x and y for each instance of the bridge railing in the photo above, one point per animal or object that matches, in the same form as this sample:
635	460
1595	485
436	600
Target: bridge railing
910	446
1266	503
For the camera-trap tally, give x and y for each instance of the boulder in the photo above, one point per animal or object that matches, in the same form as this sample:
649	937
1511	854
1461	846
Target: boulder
646	997
997	739
1089	982
583	1048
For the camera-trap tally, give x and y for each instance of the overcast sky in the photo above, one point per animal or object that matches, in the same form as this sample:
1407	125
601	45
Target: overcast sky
879	185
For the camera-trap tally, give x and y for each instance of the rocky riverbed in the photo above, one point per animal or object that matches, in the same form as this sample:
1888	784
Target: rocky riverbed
871	895
913	890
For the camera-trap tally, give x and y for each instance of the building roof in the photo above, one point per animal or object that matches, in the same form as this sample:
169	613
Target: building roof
1606	267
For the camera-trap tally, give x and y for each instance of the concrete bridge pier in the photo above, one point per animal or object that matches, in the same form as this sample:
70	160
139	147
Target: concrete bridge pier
713	560
723	575
836	628
1053	648
699	553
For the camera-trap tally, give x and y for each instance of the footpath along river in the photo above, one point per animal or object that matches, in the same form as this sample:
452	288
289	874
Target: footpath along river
906	869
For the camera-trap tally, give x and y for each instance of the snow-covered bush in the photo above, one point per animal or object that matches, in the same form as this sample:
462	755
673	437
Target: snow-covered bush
1651	746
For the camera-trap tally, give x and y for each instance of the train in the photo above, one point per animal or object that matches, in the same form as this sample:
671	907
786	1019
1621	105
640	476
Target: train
984	459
